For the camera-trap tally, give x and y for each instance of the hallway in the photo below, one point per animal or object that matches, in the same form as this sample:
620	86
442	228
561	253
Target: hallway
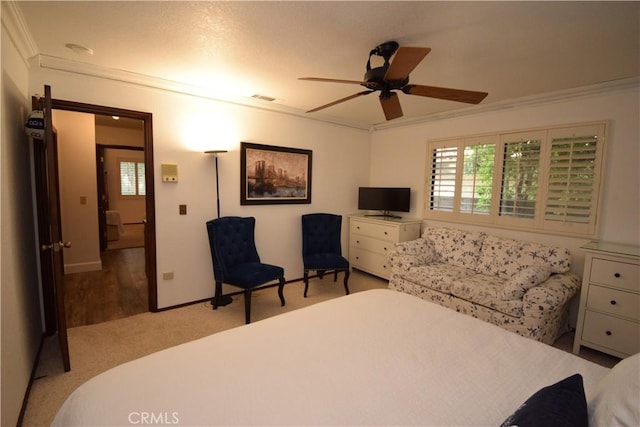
119	290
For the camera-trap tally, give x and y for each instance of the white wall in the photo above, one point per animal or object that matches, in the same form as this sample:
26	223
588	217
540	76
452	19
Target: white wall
21	324
184	127
78	190
398	157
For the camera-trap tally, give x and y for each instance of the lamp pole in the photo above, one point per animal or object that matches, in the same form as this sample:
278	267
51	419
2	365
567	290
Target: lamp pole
216	152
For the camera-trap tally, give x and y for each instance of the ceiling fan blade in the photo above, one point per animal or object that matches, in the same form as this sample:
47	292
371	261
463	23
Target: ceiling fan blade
468	96
405	60
355	95
320	79
391	106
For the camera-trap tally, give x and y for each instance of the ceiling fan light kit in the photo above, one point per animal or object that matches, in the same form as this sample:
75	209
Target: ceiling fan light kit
393	76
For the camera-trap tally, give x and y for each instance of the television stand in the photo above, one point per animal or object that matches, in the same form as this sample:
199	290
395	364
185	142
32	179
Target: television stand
370	239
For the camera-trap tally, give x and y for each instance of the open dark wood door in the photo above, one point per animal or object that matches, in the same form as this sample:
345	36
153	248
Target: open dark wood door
103	199
50	229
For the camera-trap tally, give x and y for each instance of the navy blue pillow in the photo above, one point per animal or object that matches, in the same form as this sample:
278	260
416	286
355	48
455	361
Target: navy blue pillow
562	404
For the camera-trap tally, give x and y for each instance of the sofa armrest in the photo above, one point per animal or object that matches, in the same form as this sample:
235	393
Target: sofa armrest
551	295
411	253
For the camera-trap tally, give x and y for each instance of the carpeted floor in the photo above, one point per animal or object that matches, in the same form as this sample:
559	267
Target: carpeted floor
97	348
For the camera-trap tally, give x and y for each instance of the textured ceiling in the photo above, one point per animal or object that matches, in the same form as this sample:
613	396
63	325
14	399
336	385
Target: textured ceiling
238	49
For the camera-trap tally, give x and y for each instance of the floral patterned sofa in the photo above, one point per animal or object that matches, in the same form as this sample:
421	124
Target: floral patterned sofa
520	286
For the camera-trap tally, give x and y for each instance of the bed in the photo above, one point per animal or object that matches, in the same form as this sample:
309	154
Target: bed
377	357
114	225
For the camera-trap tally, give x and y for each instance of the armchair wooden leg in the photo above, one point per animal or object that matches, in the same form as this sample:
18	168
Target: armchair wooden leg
346	281
306	282
247	306
281	291
335	276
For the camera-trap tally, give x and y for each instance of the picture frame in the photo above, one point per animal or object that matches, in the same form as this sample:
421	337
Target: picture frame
272	175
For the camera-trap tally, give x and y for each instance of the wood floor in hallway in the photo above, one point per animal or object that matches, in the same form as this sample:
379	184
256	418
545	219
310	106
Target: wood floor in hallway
118	290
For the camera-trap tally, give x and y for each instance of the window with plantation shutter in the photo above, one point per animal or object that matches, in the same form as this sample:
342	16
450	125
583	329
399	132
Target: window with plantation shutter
477	178
544	180
574	178
520	171
132	178
443	178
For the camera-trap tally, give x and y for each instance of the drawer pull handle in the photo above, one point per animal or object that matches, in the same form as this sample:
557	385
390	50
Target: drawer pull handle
609	333
617	274
613	302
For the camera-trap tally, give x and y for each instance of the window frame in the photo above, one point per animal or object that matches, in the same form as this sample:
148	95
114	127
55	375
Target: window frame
540	222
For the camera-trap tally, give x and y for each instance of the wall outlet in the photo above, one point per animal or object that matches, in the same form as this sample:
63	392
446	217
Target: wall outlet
183	209
167	276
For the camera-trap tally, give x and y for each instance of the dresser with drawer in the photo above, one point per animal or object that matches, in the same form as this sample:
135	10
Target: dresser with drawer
370	238
609	314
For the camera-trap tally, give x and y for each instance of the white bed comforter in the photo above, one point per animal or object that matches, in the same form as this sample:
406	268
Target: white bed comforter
372	358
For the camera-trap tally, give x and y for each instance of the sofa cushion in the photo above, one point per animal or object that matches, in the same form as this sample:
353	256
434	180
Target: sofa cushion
505	257
484	290
456	247
523	280
438	276
414	252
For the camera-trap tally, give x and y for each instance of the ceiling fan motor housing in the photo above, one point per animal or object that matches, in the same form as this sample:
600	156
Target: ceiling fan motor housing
374	79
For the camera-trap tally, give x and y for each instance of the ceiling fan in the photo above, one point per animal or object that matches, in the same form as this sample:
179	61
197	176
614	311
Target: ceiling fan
395	76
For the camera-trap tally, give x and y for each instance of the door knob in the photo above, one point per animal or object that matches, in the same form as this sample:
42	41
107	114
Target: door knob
56	246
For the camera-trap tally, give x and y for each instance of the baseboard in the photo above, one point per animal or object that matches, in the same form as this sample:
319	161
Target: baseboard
171	307
27	392
83	267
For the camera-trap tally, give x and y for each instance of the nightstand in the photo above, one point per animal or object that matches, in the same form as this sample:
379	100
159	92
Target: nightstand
609	314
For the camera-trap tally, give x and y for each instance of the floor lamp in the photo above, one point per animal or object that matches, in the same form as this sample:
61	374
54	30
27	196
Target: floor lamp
224	299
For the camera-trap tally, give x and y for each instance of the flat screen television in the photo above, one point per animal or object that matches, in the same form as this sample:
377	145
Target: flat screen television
384	199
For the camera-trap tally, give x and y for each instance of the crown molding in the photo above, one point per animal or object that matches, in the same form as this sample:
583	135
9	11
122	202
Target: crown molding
18	31
82	68
516	103
90	70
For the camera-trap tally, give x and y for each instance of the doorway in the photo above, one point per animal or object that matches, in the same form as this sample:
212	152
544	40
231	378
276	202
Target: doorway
134	265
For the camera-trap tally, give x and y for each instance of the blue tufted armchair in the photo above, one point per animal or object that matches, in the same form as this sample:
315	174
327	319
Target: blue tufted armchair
321	247
236	261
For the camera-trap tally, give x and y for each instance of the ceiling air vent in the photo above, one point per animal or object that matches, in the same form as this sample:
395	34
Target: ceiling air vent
263	97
